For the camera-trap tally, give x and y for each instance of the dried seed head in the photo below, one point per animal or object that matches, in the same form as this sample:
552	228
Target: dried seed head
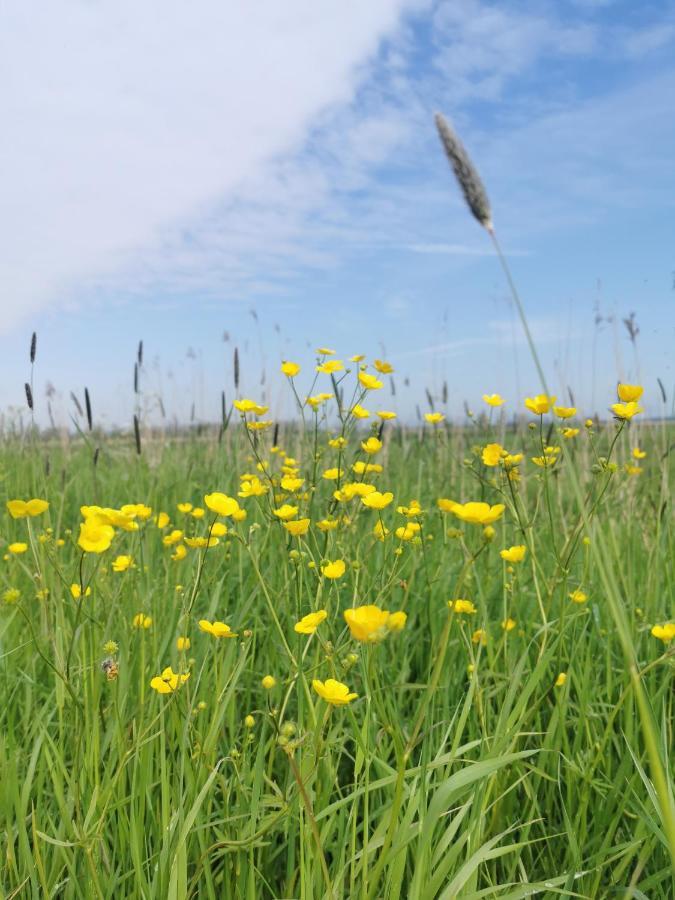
465	172
140	353
29	396
33	348
236	368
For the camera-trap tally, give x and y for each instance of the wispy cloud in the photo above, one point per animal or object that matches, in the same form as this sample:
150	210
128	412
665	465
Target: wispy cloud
499	332
128	121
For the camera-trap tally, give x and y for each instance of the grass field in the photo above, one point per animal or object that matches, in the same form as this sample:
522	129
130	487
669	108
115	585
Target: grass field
516	744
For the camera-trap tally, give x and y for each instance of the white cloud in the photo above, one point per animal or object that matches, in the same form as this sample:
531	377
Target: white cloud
123	119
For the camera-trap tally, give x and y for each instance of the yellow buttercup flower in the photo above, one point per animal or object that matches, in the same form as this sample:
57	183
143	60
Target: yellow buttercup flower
397	620
477	512
371	446
385	414
327	524
291	484
509	624
578	596
465	607
286	512
317	400
20	509
334	692
246	406
540	404
94	537
252	487
550	457
565	412
172	538
309	623
353	489
412	511
493	399
514	554
140	620
217	629
377	500
338	443
479	637
169	681
568	433
369	382
290	369
434	418
364	468
17	548
297	528
136	510
561	679
383	367
182	644
638	454
330	367
665	632
122	563
626	410
184	507
379	531
332	474
268	682
333	570
76	591
359	412
368	624
162	520
408	532
629	393
221	504
199	542
492	454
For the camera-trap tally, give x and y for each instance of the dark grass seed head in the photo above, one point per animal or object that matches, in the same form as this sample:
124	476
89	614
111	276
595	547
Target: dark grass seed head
465	173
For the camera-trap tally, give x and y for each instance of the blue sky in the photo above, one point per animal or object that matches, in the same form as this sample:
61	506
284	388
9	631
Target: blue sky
172	171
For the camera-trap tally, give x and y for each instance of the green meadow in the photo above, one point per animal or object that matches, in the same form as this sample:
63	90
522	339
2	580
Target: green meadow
340	657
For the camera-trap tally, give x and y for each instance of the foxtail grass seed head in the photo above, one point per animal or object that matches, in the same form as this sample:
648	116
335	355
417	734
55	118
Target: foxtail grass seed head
135	378
29	396
139	356
76	402
236	368
33	348
465	172
137	435
87	406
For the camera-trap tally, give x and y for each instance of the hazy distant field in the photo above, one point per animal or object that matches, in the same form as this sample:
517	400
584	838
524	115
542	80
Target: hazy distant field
495	748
